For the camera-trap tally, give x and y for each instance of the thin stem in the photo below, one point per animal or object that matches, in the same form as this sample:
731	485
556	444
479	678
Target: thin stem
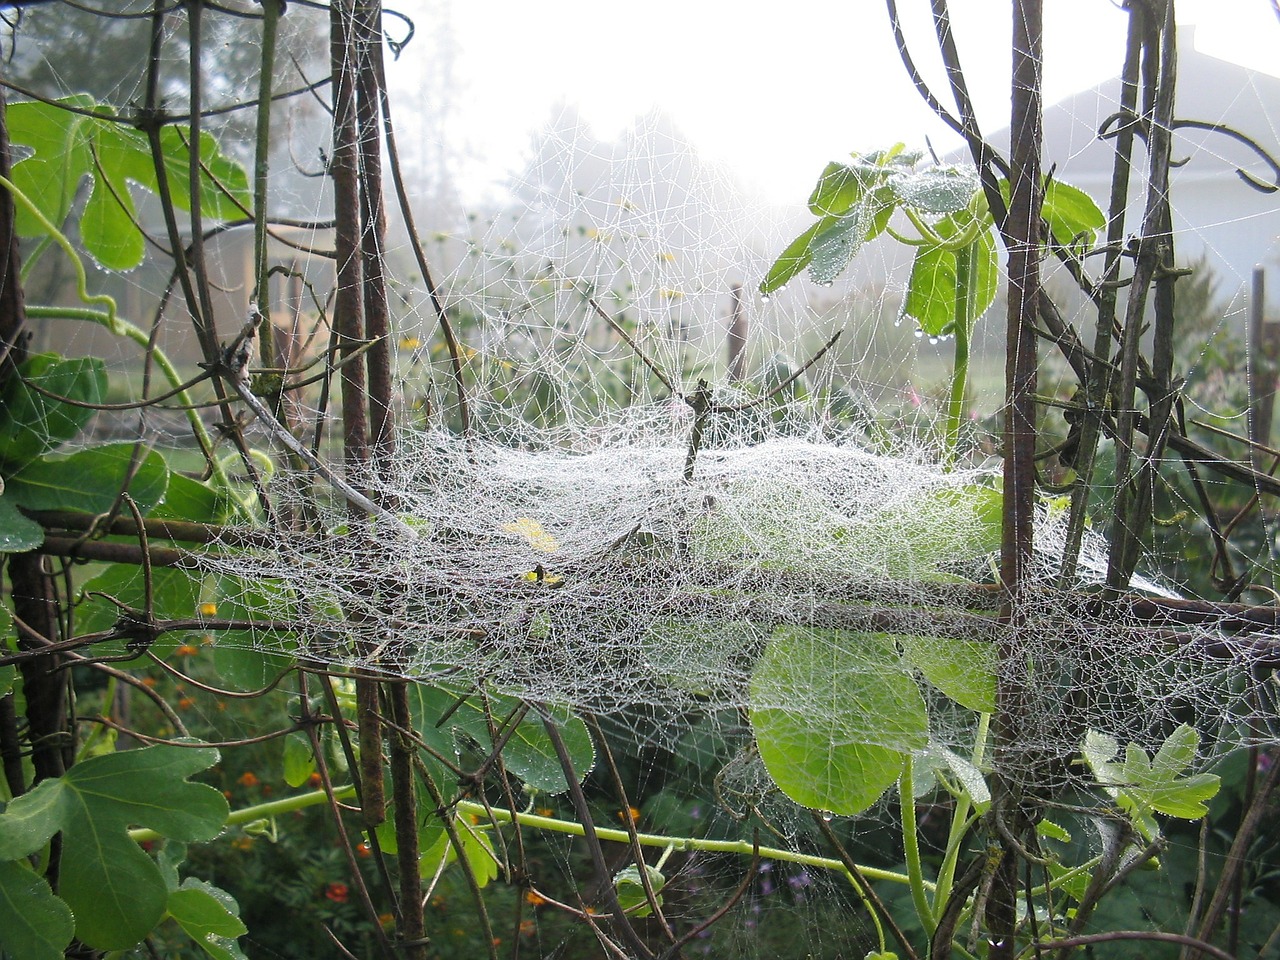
911	847
966	280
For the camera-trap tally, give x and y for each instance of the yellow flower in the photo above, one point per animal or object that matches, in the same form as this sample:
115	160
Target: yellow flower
410	343
208	609
533	533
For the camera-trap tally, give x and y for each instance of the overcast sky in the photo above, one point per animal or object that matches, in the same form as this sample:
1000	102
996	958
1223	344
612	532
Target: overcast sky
773	94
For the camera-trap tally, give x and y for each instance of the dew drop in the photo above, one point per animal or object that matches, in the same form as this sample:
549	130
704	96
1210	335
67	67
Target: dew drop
824	283
919	334
826	816
933	341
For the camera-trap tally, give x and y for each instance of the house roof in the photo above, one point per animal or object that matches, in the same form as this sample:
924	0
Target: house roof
1216	214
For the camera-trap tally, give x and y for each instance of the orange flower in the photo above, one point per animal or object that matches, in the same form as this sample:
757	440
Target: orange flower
149	682
337	892
242	843
364	850
186	703
545	812
527	928
187	650
534	898
387	919
631	814
248	779
315	780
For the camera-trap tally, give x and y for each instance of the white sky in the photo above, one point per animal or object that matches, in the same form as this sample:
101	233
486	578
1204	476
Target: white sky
773	94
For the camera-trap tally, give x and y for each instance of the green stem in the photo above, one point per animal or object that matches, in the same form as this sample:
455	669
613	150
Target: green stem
966	264
960	823
911	848
275	808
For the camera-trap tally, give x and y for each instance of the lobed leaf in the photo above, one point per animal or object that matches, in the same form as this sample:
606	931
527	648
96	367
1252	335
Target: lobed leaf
70	147
116	892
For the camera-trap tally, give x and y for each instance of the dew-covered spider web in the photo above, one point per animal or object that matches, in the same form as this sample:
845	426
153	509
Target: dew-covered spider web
654	469
627	483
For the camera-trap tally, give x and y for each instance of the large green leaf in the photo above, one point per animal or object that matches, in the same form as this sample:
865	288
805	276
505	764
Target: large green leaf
91	481
32	422
117	893
17	533
931	289
37	925
71	147
835	715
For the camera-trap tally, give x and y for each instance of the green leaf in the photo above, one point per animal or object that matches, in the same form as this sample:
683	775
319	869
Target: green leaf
931	288
1143	784
478	850
37	926
299	761
528	752
840	187
630	890
116	891
187	499
836	244
965	670
834	716
224	185
17	533
174	595
1159	783
108	225
32	423
935	190
1072	215
1073	218
250	659
795	258
70	147
90	481
61	158
210	917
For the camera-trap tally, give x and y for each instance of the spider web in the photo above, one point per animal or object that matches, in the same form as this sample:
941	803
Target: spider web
665	472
